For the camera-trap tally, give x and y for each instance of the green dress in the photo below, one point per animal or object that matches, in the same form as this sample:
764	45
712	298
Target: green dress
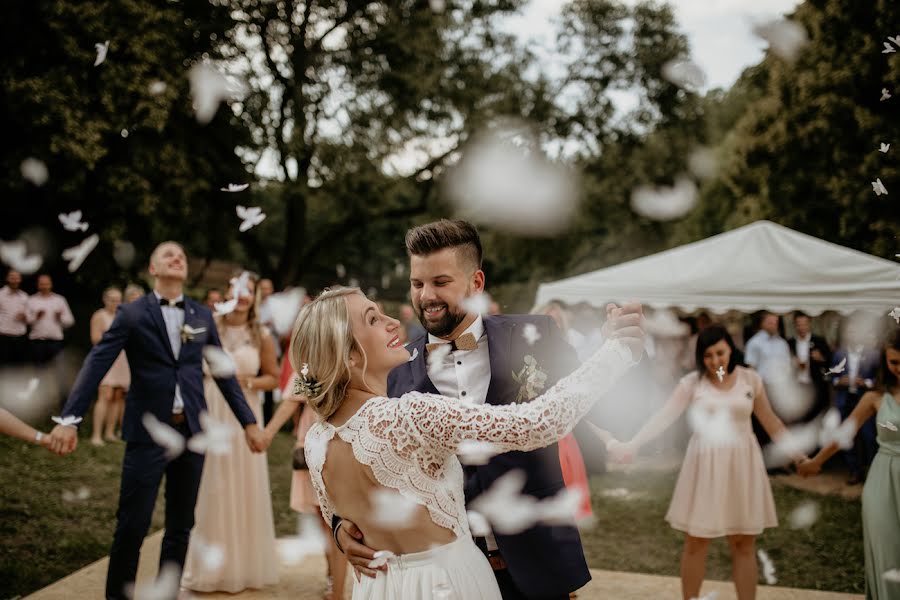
881	505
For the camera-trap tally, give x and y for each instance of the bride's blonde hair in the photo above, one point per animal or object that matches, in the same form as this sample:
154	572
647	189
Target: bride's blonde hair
323	340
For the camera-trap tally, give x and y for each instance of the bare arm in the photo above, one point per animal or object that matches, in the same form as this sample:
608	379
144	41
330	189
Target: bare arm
867	408
668	414
96	328
11	425
267	380
290	402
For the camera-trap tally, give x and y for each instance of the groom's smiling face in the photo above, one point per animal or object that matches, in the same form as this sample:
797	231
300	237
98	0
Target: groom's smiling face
439	282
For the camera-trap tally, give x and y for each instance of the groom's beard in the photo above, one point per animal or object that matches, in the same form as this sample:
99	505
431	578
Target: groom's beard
445	325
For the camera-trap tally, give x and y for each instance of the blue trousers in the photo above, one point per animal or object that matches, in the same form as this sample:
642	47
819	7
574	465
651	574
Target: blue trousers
142	472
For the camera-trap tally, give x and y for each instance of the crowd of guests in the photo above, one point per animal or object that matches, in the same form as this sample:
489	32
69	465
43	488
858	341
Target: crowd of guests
696	357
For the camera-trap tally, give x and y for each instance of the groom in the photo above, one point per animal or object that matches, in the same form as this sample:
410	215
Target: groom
445	269
163	335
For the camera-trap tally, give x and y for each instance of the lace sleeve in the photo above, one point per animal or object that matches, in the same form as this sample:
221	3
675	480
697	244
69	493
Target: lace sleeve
443	423
315	444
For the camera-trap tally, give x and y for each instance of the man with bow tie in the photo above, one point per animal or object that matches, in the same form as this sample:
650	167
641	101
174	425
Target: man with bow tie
487	359
163	335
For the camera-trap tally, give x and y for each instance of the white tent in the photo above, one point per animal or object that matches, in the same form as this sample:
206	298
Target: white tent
759	266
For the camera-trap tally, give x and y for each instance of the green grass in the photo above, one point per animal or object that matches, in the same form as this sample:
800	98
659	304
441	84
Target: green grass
632	535
46	538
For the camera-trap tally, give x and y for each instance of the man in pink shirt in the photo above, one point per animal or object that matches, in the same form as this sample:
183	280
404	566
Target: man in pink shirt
13	325
47	314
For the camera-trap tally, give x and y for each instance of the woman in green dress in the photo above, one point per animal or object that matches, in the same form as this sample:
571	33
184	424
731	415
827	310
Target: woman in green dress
881	494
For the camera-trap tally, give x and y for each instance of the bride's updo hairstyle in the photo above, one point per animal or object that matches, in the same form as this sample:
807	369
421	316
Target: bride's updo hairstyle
323	339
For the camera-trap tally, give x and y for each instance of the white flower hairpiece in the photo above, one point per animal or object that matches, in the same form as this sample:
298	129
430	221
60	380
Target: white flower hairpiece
305	385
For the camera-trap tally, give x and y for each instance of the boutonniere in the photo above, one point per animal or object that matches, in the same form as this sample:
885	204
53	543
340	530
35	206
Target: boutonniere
188	333
531	380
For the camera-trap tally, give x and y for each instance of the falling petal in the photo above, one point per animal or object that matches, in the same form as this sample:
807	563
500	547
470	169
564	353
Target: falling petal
895	314
885	94
25	394
102	50
476	452
685	74
478	525
220	364
884	147
804	515
235	187
665	203
163	587
67	421
250	217
340	271
35	171
767	567
888	49
209	87
76	254
531	334
703	163
887	425
284	308
157	87
437	6
837	369
72	221
785	37
478	304
392	510
892	575
166	437
216	436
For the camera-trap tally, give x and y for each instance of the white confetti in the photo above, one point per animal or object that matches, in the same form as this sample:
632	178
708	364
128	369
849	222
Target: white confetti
309	541
713	425
895	40
891	575
220	364
250	217
767	567
76	254
720	373
72	221
509	511
211	555
225	307
798	440
479	304
834	431
35	171
888	49
531	334
437	6
879	188
665	203
157	87
123	253
15	255
80	495
240	285
887	425
414	355
884	148
102	50
713	595
885	94
476	452
67	421
209	87
504	180
478	525
163	435
436	358
29	390
685	74
786	38
703	163
381	558
804	515
392	510
838	368
215	437
895	314
235	187
164	587
284	308
340	271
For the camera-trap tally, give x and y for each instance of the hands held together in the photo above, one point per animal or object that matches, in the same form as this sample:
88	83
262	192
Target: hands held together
62	440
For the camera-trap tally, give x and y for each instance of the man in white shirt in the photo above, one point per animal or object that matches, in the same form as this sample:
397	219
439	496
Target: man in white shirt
811	358
48	314
768	352
13	320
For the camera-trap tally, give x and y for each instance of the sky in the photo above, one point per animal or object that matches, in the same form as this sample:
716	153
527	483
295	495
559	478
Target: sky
719	31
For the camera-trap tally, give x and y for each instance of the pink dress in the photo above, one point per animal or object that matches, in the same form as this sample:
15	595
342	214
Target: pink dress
723	489
118	375
234	504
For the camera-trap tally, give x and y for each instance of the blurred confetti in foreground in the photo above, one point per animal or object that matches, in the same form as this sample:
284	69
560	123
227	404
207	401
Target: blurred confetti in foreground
665	203
35	171
209	88
786	38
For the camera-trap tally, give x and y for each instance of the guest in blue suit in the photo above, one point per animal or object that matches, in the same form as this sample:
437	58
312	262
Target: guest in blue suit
487	357
858	377
163	335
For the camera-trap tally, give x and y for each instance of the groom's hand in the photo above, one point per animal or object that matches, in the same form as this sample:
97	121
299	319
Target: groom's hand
255	438
626	323
358	554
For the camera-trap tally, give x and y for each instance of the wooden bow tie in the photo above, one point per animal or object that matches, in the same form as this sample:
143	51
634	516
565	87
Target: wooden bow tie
466	341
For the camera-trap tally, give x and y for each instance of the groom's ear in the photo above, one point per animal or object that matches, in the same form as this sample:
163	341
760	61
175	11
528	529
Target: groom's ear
478	281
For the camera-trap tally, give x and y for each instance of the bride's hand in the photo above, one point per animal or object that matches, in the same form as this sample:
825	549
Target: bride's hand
621	452
626	324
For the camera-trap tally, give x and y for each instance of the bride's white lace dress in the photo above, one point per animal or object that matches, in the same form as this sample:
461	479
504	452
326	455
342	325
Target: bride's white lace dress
410	444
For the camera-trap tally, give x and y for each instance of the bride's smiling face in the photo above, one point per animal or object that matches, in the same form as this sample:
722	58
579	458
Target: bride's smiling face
377	334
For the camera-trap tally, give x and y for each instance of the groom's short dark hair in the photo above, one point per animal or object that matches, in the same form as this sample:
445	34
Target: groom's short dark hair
433	237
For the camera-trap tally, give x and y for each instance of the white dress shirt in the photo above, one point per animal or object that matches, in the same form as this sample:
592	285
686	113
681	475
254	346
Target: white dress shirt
465	374
12	304
174	318
770	355
48	326
802	351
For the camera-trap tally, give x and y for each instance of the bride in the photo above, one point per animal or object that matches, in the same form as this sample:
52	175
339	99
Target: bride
343	348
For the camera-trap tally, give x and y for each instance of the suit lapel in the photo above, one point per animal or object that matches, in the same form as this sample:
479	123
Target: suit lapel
418	369
499	335
190	317
156	315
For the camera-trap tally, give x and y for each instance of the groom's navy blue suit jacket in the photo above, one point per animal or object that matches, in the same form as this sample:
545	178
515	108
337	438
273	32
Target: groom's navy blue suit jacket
140	330
544	560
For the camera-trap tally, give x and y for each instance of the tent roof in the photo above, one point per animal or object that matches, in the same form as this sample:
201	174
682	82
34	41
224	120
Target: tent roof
758	266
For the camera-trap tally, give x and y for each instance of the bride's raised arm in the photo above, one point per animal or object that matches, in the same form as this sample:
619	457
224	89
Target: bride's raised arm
444	423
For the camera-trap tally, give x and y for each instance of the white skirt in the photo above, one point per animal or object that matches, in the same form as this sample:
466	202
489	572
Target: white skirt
454	571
